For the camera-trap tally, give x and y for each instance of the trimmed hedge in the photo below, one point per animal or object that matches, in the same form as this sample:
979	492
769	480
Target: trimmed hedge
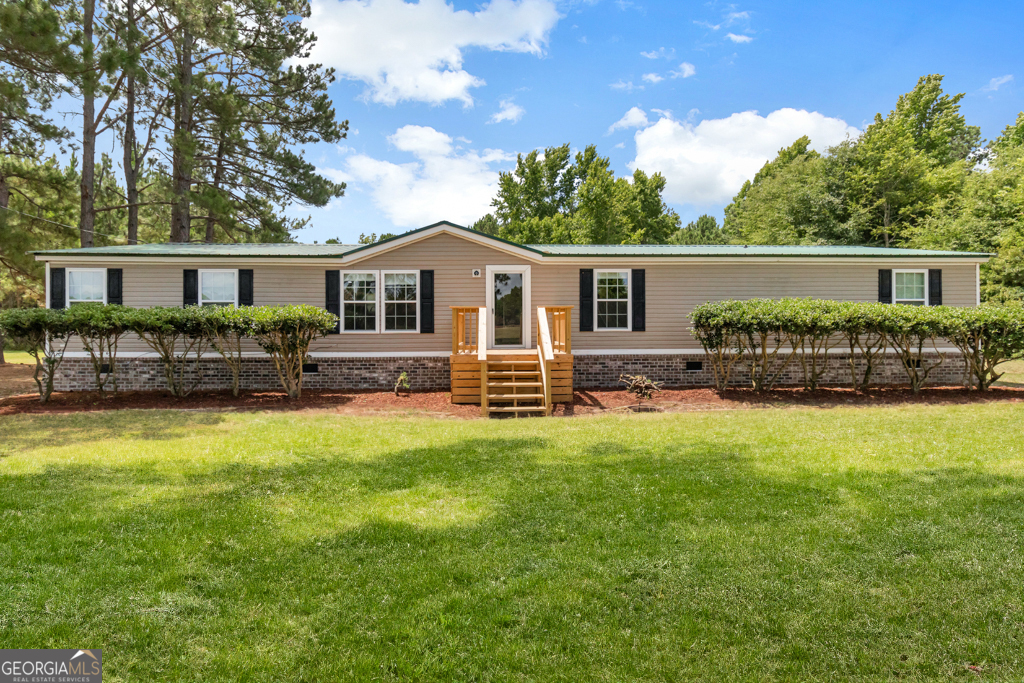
766	335
179	336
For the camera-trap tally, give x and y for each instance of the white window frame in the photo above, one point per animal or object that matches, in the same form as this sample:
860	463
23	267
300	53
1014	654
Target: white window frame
67	286
382	288
377	301
629	300
202	272
527	305
912	270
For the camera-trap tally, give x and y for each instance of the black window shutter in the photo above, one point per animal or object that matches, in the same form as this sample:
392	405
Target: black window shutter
885	286
115	277
934	287
586	299
191	289
57	288
638	283
426	302
245	287
333	297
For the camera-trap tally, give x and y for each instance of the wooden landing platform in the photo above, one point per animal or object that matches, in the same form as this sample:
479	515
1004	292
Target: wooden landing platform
465	370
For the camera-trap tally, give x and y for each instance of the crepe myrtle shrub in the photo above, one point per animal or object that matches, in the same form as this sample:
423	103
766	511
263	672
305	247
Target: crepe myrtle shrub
44	334
812	326
860	325
716	327
100	327
764	330
179	337
227	327
285	333
911	332
986	336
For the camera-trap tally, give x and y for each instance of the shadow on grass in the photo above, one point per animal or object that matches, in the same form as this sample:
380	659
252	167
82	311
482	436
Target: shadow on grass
679	560
27	433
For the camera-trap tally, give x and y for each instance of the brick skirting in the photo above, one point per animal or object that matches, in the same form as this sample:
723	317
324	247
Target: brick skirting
433	373
142	374
595	372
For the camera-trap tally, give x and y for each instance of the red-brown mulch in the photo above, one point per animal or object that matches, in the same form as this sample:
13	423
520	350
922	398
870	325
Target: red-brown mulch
438	404
687	400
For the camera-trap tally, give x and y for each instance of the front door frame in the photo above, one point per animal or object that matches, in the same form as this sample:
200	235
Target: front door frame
527	310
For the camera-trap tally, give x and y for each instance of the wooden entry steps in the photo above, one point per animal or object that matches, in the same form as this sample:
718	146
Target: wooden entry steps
509	373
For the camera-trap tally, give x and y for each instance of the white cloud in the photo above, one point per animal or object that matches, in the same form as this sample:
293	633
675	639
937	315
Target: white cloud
634	118
510	111
660	53
413	51
628	86
443	182
997	83
653	78
685	71
738	38
706	164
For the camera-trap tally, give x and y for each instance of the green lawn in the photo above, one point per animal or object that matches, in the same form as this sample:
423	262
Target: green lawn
846	544
19	357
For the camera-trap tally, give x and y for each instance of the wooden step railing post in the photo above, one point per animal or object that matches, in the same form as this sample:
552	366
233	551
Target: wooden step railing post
481	354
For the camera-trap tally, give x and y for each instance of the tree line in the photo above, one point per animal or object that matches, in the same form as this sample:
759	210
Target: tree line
204	103
919	177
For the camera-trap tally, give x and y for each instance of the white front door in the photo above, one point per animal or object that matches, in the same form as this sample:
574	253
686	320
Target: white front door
508	307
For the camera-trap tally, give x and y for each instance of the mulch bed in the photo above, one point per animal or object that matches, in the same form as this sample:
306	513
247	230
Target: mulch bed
438	404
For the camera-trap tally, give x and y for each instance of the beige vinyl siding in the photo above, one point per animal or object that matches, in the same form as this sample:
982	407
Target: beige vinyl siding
673	289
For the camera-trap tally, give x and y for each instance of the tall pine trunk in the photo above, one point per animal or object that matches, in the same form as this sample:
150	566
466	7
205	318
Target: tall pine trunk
218	175
87	213
181	164
131	170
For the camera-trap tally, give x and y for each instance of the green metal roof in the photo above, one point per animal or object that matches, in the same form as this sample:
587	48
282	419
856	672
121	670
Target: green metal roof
294	250
738	250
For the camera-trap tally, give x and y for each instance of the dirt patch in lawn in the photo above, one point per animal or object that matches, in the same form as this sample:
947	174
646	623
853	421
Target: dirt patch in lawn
438	404
16	378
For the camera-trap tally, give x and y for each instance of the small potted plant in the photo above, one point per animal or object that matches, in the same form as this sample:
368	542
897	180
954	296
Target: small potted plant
403	383
641	387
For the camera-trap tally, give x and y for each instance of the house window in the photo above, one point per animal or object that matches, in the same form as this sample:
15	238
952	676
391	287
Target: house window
218	287
910	287
612	300
401	300
87	286
359	295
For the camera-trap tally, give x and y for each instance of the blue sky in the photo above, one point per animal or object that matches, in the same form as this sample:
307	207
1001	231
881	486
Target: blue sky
441	96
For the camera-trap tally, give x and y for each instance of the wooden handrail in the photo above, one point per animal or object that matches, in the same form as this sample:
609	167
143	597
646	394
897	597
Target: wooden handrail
561	328
543	335
481	334
544	355
465	330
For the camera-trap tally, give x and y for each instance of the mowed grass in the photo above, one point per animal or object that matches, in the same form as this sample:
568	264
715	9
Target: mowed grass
20	357
847	544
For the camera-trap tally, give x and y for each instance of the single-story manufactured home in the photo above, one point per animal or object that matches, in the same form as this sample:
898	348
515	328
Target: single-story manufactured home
485	317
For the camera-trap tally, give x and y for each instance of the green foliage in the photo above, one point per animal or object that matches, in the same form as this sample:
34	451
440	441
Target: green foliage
100	327
753	331
552	198
880	188
42	332
178	336
987	336
402	383
371	238
704	230
285	333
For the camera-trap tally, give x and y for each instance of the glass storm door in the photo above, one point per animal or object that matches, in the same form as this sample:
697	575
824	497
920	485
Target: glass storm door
508	298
